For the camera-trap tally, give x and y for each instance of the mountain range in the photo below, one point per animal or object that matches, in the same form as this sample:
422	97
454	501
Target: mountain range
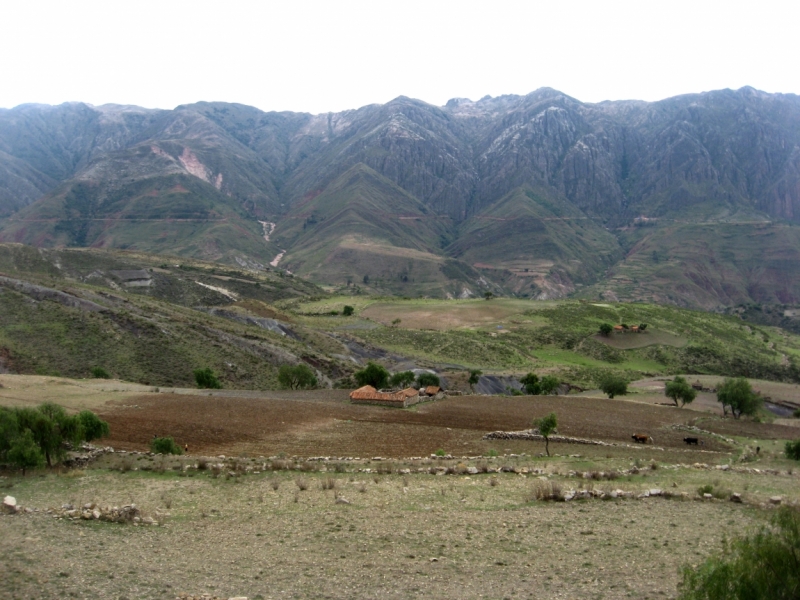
693	200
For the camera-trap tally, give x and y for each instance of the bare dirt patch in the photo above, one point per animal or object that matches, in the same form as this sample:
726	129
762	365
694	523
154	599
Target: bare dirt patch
445	315
324	423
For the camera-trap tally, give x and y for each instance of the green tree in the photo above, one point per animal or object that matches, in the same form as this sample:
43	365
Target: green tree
474	378
348	310
792	450
9	429
206	379
100	373
764	565
402	379
531	383
93	427
738	395
606	329
546	426
488	295
642	326
426	379
373	374
548	384
297	376
679	390
613	385
164	445
51	427
24	453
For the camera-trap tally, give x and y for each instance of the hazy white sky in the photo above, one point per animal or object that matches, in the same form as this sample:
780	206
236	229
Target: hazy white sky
334	55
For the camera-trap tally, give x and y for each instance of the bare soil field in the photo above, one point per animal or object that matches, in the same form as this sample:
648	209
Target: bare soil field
443	316
260	535
324	423
650	337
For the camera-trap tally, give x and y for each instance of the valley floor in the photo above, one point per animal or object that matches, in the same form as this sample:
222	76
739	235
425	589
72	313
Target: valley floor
246	514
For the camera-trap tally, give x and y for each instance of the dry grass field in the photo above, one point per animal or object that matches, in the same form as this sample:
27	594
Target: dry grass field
263	522
444	316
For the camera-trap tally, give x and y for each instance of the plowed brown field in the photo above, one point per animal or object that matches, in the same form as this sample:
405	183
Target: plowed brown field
325	423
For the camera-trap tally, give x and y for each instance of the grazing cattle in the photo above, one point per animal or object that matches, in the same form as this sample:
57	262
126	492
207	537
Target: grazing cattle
641	438
691	441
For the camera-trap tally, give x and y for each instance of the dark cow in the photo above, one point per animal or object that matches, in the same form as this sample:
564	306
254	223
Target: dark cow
690	441
640	438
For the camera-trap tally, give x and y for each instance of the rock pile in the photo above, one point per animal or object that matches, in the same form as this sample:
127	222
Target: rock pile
112	514
533	434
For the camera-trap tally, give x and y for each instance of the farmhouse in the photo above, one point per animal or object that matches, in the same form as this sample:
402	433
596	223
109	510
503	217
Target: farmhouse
369	395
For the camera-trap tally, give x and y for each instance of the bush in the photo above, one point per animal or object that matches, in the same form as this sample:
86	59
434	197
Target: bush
606	329
796	413
206	379
348	311
164	445
93	427
426	379
548	384
373	374
613	385
100	373
531	383
762	565
296	376
402	379
793	450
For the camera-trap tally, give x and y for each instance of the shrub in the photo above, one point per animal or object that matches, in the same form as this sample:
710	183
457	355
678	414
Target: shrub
348	311
100	373
302	483
548	384
373	374
426	379
296	376
531	383
440	452
93	427
475	376
613	385
761	565
796	413
606	329
793	450
164	445
206	379
402	379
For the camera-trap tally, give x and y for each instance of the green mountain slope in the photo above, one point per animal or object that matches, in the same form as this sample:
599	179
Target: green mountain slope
168	212
536	243
707	265
63	312
364	229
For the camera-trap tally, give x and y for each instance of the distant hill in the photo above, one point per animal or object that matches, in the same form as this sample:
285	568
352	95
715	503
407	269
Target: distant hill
573	192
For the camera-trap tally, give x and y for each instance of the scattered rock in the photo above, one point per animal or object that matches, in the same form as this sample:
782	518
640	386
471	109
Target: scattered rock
10	504
775	500
342	500
736	497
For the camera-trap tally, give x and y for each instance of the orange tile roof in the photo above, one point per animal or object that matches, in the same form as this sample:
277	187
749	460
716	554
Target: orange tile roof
432	390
